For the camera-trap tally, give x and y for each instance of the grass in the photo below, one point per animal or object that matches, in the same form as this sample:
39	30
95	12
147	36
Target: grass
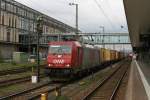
14	76
87	82
62	98
10	88
18	87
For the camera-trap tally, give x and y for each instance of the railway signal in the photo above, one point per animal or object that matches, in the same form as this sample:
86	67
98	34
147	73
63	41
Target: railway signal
39	33
40	25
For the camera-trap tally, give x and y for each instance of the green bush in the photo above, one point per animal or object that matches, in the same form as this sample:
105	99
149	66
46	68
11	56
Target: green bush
1	58
13	63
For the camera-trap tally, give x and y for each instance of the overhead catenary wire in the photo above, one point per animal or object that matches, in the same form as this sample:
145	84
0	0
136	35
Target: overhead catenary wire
116	17
43	9
105	15
69	17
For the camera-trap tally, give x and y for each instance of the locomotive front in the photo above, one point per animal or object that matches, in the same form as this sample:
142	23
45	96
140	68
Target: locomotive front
59	56
59	60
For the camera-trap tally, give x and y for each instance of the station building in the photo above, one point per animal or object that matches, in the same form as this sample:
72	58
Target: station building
17	20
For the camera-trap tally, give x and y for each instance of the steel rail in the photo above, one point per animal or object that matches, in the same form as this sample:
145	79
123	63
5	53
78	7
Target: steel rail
24	92
16	70
48	91
17	80
51	90
102	82
118	85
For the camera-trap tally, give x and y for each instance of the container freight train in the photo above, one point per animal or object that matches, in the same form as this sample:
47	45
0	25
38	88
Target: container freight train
69	59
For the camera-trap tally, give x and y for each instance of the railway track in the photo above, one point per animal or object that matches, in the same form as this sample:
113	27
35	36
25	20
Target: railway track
21	94
16	70
5	83
113	96
107	89
37	96
35	92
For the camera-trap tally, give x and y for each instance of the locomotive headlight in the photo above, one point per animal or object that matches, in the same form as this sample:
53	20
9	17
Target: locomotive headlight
49	65
68	65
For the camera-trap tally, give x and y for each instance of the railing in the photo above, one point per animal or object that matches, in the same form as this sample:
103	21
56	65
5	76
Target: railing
89	38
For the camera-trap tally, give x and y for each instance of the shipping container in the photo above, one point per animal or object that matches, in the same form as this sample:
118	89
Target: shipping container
102	54
117	55
107	55
113	55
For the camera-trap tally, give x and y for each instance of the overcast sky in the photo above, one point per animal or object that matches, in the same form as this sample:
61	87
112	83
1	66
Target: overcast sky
92	13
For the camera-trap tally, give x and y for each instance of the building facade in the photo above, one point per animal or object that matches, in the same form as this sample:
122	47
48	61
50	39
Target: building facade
17	19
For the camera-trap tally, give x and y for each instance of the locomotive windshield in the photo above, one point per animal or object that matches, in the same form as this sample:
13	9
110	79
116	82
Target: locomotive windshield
60	49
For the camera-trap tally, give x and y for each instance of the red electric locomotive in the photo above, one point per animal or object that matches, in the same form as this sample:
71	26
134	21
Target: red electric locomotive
69	58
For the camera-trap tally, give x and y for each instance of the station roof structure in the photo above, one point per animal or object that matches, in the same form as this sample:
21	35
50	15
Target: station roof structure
138	19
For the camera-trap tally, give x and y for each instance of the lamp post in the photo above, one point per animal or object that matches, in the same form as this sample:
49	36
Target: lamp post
71	4
103	29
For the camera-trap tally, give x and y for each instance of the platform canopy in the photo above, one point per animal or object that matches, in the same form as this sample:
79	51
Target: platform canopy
138	19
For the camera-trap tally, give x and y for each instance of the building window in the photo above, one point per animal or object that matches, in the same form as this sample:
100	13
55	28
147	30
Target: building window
15	9
9	21
13	21
46	29
15	24
8	7
3	4
8	35
2	19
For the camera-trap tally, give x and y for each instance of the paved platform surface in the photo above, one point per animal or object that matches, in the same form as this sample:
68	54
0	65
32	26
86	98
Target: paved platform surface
145	67
136	88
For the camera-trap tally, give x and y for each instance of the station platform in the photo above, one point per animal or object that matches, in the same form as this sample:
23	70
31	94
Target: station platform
138	87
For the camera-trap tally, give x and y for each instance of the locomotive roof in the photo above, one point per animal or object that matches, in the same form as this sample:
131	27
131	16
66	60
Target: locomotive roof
65	43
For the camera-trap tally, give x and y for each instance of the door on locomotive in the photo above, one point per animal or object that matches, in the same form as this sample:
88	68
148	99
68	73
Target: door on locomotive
79	56
59	56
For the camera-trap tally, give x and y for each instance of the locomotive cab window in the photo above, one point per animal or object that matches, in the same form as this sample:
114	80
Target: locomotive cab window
60	49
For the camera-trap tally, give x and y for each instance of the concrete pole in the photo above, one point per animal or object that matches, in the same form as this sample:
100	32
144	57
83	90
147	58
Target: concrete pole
76	19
